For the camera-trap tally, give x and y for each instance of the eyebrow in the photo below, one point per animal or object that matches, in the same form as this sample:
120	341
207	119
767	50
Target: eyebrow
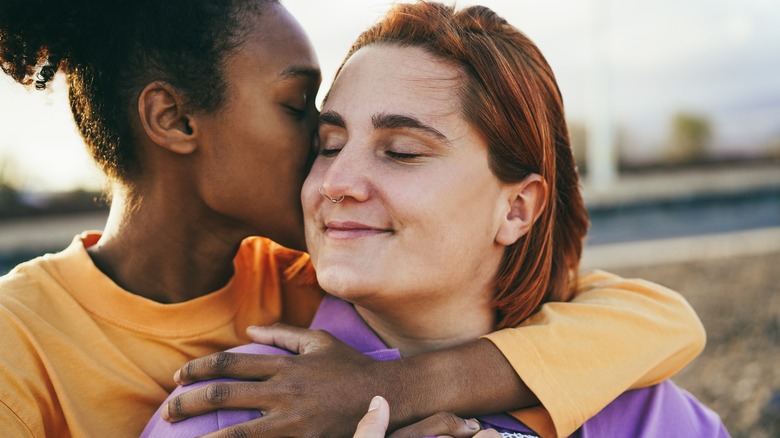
400	121
333	118
385	121
298	71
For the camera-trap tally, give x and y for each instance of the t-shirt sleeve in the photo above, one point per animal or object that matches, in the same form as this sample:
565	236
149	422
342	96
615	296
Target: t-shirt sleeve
616	334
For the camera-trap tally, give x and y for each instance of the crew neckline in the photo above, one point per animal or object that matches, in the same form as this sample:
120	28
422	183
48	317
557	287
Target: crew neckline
103	298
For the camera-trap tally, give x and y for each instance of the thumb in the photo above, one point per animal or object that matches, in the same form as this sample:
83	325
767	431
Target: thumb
374	423
295	339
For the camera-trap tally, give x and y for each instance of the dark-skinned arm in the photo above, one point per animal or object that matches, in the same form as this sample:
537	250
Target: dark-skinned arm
619	333
324	390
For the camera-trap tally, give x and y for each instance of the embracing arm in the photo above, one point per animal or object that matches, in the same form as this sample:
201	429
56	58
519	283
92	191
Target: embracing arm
573	357
616	334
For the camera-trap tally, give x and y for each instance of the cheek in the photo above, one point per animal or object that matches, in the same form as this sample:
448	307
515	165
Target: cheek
310	191
461	212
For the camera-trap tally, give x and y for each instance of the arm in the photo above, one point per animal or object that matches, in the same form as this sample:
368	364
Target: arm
329	383
620	333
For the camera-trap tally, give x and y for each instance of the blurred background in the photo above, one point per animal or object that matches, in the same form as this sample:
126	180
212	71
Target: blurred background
674	113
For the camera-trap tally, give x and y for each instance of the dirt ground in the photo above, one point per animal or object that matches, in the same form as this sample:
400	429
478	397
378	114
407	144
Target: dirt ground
738	300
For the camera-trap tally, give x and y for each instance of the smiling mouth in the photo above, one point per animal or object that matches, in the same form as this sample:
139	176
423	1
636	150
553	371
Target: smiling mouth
352	230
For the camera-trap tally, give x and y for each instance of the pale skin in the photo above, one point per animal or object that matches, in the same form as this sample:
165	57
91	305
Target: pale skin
424	224
415	189
374	423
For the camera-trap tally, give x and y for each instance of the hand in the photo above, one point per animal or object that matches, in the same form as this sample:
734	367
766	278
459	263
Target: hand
322	391
374	425
444	425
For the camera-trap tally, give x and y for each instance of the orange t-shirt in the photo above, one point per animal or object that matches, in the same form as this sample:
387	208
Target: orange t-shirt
82	357
79	356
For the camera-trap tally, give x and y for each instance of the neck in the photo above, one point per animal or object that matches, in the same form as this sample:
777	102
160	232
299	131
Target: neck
416	327
164	248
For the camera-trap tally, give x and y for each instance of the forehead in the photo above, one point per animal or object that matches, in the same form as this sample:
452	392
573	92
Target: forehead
275	44
383	78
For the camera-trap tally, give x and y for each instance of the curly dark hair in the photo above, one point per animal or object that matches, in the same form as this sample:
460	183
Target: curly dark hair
109	50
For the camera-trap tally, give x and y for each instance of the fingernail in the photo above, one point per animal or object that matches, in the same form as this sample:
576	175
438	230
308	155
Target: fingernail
473	424
375	402
177	377
252	328
165	414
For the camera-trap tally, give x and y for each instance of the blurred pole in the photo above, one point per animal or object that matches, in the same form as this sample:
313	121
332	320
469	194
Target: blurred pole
601	156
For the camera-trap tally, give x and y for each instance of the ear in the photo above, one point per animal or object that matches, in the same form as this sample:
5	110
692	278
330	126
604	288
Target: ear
526	200
165	119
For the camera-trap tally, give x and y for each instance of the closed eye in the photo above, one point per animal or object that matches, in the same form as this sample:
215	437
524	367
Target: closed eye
296	112
332	152
401	155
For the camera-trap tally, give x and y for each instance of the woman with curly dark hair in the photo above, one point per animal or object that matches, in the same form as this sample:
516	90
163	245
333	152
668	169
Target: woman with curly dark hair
202	113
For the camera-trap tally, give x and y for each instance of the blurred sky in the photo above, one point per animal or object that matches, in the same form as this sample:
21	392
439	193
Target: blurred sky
718	58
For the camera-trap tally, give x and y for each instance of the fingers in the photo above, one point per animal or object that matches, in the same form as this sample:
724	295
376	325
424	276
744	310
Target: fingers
295	339
326	391
256	366
214	396
374	423
254	428
232	365
489	433
441	424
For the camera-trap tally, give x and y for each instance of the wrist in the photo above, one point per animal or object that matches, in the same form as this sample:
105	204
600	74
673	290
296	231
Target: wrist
404	383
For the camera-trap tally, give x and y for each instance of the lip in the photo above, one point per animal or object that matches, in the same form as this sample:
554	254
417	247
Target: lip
352	230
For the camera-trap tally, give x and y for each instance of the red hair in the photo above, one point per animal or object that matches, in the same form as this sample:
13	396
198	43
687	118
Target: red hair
509	94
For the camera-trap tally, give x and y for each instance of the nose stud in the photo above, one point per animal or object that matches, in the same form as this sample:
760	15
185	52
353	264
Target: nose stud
333	200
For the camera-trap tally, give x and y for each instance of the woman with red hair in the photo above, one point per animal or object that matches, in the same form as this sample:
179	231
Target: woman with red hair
444	204
201	114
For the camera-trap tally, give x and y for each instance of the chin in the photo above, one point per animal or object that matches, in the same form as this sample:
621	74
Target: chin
345	283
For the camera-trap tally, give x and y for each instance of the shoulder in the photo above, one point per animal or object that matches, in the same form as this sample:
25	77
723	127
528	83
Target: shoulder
24	285
596	280
265	254
27	294
38	283
23	381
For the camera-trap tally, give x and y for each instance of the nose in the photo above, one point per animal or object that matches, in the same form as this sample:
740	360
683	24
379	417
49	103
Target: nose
348	175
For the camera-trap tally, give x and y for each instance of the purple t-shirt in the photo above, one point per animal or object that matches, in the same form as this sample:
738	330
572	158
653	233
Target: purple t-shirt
663	410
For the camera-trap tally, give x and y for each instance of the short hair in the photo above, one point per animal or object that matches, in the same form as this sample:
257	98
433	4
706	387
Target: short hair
508	93
109	50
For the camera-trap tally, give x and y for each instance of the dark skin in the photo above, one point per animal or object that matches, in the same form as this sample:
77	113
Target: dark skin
187	211
292	390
